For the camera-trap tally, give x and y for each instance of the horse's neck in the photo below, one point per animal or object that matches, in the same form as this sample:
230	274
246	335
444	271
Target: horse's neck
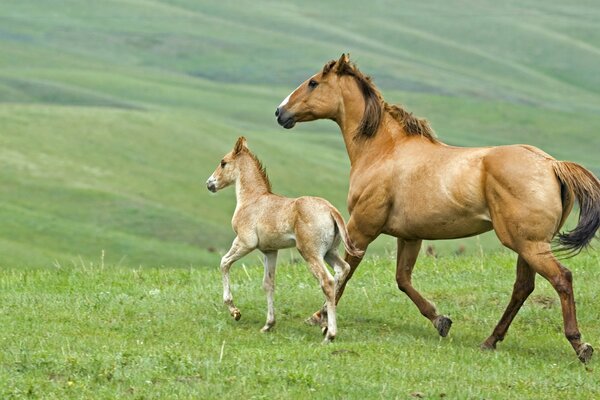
359	147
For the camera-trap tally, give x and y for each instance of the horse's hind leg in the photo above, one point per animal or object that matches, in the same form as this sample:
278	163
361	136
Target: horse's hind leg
269	286
539	257
524	285
408	251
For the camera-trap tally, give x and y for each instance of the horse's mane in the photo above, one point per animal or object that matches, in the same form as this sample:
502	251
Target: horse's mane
375	106
261	169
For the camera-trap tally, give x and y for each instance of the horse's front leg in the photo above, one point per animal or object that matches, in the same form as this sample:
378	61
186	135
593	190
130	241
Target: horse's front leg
408	251
269	286
238	250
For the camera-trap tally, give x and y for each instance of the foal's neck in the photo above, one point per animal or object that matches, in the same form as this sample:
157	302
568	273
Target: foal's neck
251	182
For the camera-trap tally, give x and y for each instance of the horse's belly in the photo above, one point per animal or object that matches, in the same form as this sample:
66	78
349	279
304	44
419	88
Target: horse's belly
443	228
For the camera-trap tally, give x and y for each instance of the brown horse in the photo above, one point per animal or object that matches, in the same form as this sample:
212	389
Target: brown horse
269	222
405	183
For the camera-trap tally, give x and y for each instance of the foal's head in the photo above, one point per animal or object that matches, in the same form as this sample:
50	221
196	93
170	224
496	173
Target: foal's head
239	161
322	97
228	169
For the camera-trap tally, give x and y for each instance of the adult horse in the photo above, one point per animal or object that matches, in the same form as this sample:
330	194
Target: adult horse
405	183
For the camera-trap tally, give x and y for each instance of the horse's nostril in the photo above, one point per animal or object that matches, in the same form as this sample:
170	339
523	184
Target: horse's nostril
277	112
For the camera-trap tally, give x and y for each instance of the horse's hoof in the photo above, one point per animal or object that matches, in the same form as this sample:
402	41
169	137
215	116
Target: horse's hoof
236	314
488	345
324	330
442	324
314	319
585	353
266	328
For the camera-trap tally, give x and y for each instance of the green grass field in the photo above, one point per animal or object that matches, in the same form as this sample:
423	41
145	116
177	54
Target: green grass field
104	332
114	113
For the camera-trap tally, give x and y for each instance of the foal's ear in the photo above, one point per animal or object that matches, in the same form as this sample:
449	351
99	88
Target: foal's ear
240	145
343	63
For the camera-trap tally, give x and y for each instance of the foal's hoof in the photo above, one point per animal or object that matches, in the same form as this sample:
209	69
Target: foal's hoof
314	319
585	353
328	339
266	328
236	314
442	324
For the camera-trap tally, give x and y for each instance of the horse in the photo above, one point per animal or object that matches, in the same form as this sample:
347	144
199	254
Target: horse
268	222
406	183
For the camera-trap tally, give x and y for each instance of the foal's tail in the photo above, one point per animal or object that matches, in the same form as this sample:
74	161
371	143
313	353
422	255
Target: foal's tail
585	187
341	226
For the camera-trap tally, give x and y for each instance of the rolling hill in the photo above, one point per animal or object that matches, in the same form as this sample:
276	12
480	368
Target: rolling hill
114	113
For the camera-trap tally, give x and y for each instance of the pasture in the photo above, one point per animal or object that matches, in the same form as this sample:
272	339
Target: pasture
104	331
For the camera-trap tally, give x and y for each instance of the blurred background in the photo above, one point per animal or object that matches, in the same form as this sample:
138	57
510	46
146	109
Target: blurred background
114	113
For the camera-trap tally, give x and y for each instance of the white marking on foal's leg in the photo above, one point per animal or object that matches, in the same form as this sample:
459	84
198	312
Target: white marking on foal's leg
269	286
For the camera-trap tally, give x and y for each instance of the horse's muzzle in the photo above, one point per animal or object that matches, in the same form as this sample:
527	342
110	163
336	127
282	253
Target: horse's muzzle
285	118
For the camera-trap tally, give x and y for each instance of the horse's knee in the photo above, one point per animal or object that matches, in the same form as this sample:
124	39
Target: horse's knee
403	282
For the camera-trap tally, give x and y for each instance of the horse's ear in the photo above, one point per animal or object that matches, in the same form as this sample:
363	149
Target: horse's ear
240	145
343	63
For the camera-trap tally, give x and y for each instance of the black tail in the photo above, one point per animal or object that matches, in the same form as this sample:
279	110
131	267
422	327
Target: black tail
585	187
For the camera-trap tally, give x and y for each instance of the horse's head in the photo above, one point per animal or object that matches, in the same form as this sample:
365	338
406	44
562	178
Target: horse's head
228	169
319	97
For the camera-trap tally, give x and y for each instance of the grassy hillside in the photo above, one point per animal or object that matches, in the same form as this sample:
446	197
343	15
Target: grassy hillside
114	113
107	332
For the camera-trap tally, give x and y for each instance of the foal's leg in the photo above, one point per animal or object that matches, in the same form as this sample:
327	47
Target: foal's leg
341	267
269	286
408	251
539	257
524	285
319	270
237	251
361	239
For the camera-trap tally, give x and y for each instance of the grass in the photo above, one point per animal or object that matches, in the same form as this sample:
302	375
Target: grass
95	330
114	114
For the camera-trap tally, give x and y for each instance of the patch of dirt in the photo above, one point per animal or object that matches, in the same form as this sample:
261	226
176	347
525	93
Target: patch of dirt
545	302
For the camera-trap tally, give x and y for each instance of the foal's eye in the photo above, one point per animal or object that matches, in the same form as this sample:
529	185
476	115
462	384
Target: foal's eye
223	163
313	84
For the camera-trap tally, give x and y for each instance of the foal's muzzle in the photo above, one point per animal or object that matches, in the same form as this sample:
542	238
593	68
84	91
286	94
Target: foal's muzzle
285	118
211	184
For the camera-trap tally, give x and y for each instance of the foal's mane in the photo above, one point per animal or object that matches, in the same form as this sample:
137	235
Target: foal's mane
262	170
375	105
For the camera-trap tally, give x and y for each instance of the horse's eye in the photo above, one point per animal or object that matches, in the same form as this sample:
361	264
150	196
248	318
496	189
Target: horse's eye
313	84
223	163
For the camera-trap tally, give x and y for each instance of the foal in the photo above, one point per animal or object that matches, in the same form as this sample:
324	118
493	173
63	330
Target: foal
269	222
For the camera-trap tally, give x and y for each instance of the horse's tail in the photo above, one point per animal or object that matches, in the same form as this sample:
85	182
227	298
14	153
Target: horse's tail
341	226
578	182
